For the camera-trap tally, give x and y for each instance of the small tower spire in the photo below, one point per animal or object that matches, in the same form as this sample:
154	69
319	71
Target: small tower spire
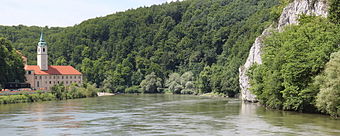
42	37
42	56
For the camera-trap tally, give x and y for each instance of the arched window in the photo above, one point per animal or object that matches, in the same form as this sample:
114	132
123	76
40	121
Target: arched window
43	49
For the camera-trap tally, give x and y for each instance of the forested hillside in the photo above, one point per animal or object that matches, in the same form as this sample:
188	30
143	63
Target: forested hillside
210	38
26	39
11	65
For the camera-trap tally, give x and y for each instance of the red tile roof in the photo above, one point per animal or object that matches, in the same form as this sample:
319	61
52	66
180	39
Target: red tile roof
53	70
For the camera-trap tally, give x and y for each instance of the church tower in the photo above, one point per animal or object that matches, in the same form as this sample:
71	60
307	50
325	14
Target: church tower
42	57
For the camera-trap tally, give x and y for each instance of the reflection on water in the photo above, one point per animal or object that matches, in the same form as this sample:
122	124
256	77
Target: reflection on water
158	115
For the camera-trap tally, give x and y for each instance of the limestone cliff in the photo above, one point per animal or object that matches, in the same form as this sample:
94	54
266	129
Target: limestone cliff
289	16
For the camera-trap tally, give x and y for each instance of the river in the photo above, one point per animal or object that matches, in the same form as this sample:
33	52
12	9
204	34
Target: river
158	115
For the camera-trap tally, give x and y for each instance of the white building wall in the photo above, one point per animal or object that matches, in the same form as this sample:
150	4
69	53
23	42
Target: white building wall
45	82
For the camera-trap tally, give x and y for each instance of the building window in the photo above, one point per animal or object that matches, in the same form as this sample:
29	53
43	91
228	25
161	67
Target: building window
66	82
50	82
62	77
50	77
43	49
66	77
39	77
58	82
38	84
70	77
35	77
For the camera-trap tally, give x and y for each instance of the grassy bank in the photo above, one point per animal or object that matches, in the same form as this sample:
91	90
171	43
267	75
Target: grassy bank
58	92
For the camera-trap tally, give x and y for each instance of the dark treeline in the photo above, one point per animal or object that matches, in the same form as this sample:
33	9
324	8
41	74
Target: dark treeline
208	38
11	66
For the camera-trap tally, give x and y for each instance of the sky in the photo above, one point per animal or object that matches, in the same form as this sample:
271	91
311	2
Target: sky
63	12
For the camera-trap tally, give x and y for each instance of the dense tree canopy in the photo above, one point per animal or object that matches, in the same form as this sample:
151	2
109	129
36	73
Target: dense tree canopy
11	64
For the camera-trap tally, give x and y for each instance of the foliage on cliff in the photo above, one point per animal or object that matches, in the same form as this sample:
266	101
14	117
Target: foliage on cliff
334	11
11	65
328	100
291	60
123	48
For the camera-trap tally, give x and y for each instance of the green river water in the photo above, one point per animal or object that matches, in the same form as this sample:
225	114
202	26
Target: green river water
158	115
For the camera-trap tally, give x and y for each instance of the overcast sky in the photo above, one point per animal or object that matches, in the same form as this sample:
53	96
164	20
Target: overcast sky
63	12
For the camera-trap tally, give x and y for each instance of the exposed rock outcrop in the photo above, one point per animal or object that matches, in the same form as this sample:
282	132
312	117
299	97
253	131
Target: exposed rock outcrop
289	16
253	58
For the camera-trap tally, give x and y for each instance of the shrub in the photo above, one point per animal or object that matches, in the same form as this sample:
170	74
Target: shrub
328	99
151	83
133	89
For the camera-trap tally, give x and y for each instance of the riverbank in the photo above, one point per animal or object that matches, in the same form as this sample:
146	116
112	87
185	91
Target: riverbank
58	92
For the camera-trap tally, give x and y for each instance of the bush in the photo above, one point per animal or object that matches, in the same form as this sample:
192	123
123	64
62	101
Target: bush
133	89
151	83
58	92
180	84
24	98
328	99
74	91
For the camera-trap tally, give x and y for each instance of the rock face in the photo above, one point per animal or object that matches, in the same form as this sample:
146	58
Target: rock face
289	16
253	58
